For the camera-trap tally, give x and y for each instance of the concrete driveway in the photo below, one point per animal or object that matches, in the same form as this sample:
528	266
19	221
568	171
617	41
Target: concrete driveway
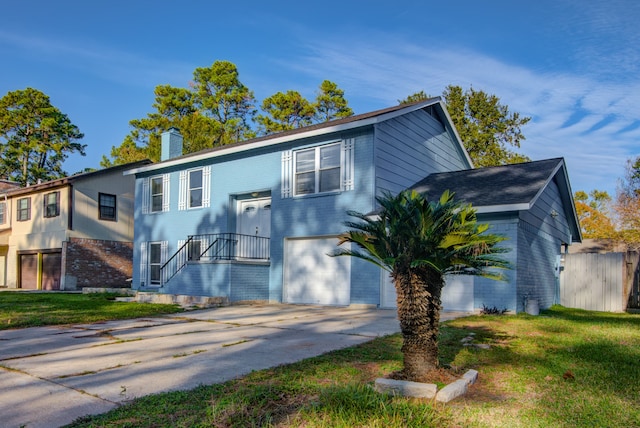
49	376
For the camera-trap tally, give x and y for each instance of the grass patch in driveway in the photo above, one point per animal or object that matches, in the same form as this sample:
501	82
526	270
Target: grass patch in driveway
523	382
30	309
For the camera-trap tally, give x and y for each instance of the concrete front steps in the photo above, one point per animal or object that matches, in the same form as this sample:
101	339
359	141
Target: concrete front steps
129	295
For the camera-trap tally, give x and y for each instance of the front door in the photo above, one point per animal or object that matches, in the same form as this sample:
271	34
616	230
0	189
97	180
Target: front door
254	225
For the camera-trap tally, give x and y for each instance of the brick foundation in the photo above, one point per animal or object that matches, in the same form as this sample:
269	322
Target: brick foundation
96	263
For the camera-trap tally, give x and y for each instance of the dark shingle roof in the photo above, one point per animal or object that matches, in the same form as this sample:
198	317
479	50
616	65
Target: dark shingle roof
501	185
59	182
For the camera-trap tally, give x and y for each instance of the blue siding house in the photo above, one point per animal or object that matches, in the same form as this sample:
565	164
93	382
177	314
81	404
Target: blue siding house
254	221
532	205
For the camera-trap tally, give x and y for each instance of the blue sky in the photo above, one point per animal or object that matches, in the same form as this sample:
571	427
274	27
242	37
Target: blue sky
573	66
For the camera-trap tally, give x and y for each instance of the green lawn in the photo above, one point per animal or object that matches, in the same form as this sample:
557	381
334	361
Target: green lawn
28	309
564	368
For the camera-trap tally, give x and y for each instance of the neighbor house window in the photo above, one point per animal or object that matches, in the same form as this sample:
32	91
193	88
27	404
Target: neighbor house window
3	212
107	206
52	204
24	209
317	170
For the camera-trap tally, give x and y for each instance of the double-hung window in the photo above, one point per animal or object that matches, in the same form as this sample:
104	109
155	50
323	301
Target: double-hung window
155	262
155	194
157	191
3	212
152	257
24	209
106	206
195	188
317	170
52	204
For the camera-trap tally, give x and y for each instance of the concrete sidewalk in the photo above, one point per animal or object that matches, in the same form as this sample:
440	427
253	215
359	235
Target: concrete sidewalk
50	376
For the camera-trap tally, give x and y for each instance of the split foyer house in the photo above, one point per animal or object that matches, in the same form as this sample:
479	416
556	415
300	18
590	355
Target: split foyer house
256	220
68	233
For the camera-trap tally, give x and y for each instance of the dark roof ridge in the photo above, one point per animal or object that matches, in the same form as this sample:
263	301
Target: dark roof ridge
313	127
57	182
501	185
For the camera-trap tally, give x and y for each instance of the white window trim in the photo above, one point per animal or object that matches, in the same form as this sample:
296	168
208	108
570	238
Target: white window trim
185	188
146	194
145	266
287	170
5	212
347	168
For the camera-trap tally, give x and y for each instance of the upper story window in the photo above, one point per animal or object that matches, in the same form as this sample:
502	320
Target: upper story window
3	212
23	209
107	206
194	188
317	170
155	194
321	169
52	204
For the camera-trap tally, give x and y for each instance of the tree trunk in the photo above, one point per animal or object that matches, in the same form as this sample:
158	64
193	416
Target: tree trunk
418	297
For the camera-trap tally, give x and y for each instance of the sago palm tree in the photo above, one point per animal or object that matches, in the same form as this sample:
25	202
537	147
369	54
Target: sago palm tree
419	242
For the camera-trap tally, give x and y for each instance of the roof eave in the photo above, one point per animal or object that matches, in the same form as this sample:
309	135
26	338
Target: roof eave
490	209
276	140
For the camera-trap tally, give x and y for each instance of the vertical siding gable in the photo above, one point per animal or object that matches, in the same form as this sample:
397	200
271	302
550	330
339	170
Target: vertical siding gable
410	147
540	215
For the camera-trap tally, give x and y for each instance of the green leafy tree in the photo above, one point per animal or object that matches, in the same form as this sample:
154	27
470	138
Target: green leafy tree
419	242
593	214
220	95
127	152
330	103
415	97
214	111
285	111
35	137
487	128
627	204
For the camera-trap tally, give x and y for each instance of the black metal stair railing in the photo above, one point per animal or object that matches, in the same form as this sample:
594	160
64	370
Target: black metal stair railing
218	246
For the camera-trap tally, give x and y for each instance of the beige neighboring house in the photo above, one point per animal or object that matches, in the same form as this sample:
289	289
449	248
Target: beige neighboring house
68	233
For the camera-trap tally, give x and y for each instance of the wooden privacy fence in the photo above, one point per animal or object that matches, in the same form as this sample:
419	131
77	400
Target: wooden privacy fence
608	282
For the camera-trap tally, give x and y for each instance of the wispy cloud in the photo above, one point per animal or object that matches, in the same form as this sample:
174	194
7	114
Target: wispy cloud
95	59
592	123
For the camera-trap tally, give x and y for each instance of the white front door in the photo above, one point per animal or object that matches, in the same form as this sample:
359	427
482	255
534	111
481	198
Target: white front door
254	222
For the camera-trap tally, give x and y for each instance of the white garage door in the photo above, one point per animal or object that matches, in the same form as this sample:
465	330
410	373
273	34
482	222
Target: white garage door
312	277
457	294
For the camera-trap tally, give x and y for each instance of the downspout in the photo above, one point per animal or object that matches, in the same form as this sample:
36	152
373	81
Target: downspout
65	243
70	208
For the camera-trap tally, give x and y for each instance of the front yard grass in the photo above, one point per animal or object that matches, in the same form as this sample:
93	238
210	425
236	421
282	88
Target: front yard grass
29	309
564	368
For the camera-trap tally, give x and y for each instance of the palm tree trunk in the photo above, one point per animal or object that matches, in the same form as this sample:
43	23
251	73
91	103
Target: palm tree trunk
418	297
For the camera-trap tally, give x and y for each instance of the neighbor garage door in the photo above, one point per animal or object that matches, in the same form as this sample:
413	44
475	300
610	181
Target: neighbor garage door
51	270
29	271
313	277
457	294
